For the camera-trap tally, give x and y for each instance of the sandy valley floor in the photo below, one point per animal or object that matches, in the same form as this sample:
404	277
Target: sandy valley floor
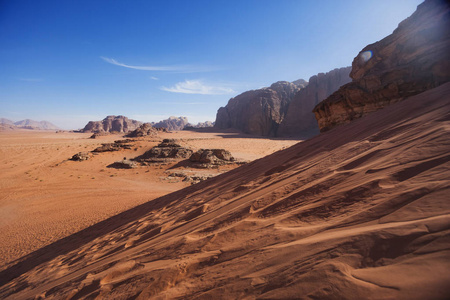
45	197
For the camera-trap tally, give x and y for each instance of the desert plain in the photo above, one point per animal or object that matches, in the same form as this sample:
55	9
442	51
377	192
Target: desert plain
360	212
46	197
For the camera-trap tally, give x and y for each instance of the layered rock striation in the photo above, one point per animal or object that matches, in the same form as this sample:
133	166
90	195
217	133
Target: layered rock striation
119	124
259	111
299	118
413	59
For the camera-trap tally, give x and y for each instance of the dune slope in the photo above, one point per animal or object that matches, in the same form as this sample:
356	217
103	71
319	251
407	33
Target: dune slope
361	211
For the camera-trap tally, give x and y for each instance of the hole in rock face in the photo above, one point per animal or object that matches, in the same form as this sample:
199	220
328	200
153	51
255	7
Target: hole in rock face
365	56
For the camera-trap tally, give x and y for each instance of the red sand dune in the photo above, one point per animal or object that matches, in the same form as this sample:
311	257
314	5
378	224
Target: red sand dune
359	212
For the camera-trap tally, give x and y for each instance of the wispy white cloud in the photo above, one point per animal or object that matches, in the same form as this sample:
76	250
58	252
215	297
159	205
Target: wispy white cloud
197	87
154	78
175	68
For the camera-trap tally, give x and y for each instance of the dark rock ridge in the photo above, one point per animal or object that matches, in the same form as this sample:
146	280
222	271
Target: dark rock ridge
259	111
172	123
119	124
413	59
299	118
116	146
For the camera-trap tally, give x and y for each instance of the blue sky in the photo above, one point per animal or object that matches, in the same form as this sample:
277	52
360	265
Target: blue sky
69	62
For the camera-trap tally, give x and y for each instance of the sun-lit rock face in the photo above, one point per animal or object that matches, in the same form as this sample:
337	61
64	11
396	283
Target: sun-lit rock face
112	124
259	111
413	59
299	119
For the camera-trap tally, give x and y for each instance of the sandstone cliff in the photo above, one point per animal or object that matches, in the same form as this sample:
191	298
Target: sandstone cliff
260	111
172	123
414	58
112	124
299	119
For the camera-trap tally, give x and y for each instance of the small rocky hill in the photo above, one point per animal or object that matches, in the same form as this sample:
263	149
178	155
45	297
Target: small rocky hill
119	124
413	59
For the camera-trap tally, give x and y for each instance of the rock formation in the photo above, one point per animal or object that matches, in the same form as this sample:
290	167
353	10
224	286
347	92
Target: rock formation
145	129
260	111
413	59
81	156
116	146
119	124
300	119
209	157
123	164
172	123
167	151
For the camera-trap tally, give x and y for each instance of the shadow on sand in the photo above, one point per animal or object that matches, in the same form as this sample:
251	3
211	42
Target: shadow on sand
76	240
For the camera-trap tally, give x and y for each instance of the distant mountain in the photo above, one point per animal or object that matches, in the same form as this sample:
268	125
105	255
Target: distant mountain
31	124
27	124
112	124
4	121
172	123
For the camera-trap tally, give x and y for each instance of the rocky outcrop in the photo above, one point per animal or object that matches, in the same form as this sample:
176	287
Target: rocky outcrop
413	59
81	156
172	123
123	164
118	124
299	119
260	111
116	146
168	150
145	129
212	157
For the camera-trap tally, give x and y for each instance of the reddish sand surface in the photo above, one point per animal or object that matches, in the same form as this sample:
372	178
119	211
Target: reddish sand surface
45	197
359	212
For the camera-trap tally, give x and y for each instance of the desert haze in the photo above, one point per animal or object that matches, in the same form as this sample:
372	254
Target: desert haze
336	188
